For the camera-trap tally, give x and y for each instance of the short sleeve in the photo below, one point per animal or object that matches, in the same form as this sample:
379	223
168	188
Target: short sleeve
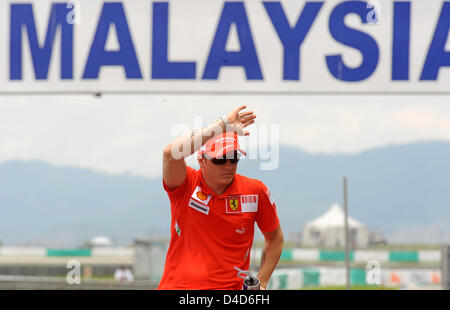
178	192
266	217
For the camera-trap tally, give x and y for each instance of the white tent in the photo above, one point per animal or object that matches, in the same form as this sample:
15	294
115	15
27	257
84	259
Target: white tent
328	230
100	241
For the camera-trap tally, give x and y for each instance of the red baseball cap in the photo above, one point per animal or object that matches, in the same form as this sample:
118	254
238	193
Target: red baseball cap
218	146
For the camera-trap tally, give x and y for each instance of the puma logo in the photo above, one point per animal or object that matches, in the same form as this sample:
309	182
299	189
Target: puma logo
240	231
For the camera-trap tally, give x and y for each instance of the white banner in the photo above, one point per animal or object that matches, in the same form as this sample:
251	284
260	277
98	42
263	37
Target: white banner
288	46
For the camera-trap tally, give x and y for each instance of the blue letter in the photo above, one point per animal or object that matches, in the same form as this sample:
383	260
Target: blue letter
161	67
437	56
112	13
354	38
292	38
233	12
400	41
22	15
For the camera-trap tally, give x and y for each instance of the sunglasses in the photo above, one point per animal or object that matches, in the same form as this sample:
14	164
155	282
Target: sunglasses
222	161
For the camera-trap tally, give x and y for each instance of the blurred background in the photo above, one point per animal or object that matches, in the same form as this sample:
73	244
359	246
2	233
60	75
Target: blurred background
82	129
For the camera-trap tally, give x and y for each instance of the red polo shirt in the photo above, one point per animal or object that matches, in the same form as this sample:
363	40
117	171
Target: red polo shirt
211	234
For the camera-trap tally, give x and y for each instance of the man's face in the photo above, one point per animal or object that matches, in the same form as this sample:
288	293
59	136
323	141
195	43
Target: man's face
220	174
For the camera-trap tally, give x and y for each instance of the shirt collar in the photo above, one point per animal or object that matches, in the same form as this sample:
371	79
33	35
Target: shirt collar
233	188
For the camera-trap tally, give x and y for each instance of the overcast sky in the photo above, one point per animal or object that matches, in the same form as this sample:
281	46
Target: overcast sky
126	133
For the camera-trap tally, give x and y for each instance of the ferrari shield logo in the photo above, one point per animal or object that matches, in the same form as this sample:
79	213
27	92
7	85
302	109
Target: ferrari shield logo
234	204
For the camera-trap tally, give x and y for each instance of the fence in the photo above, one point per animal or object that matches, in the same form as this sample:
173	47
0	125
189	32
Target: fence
298	278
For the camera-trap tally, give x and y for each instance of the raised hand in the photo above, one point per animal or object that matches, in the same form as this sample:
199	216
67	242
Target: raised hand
239	120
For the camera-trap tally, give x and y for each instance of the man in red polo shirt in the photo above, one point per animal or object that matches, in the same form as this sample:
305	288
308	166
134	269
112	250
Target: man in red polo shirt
213	210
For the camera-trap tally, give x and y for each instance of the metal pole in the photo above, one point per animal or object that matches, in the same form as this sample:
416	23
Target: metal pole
445	261
347	265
